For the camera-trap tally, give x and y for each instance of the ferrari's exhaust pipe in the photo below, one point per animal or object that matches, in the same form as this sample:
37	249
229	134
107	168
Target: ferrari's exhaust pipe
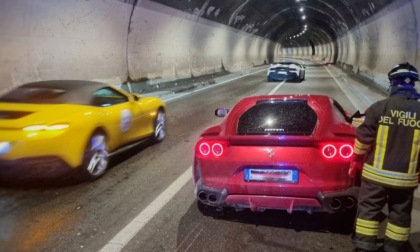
207	197
210	196
349	202
339	201
202	195
336	204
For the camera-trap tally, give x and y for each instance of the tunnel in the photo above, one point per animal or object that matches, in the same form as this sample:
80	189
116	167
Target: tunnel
155	41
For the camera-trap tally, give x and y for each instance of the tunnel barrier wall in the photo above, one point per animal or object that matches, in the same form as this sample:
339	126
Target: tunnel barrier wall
92	40
49	39
372	48
109	41
180	45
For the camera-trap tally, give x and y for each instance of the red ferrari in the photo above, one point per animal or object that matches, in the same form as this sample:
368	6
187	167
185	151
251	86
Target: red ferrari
288	152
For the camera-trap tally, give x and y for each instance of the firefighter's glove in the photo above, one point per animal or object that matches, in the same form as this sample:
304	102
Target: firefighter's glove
356	164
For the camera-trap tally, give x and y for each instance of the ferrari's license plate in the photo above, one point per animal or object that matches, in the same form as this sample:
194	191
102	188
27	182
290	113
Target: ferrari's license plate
282	72
271	175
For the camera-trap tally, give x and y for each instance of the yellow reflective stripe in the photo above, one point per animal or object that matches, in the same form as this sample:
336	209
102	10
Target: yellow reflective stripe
414	152
366	231
397	233
381	140
390	178
367	227
390	174
398	229
367	223
360	148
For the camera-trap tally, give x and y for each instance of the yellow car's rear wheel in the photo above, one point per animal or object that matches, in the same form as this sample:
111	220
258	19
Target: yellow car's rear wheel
95	157
160	127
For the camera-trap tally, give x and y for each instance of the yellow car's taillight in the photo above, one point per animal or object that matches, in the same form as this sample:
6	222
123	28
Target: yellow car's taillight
46	127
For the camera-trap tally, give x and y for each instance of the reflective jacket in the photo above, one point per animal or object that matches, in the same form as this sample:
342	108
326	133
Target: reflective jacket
390	137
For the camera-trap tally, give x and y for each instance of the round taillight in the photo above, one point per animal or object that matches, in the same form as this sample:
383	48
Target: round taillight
204	149
217	149
346	151
329	151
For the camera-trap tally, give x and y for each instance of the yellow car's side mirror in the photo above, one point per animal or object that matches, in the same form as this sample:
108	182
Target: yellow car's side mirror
136	96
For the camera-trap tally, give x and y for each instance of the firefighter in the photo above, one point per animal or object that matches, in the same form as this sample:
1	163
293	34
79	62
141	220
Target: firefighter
386	151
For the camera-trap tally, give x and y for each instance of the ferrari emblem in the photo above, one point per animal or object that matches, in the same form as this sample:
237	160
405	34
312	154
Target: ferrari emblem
270	152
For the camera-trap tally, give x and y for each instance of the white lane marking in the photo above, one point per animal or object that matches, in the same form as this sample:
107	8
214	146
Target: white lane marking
121	239
277	87
211	86
354	101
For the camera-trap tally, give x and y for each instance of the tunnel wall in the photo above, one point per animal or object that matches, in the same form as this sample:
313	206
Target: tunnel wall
167	44
49	39
92	40
109	41
373	47
382	41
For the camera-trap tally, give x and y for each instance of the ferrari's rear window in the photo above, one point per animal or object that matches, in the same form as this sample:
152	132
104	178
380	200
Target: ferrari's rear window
291	117
37	95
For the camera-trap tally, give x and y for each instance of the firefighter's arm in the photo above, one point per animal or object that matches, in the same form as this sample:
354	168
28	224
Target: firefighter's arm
360	151
356	165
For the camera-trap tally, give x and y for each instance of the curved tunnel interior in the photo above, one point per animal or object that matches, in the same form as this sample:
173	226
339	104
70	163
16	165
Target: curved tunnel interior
163	40
293	23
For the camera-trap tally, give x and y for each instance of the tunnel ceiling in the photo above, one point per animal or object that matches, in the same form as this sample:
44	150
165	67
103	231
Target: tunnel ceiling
284	20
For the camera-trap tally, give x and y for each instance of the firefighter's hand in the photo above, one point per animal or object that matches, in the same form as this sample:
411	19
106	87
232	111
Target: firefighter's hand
355	165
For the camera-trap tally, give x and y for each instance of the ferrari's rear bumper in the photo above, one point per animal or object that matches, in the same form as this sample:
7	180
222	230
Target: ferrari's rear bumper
326	202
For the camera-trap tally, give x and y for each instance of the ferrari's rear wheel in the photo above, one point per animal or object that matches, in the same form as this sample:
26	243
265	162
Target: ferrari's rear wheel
95	157
159	127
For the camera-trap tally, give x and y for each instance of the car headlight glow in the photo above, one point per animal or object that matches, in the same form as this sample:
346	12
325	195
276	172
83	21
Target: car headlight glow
46	127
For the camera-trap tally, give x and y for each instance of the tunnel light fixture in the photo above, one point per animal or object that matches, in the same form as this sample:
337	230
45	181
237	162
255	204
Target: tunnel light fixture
301	9
303	17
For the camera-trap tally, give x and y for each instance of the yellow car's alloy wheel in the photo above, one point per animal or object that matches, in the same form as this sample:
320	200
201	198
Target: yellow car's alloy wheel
160	127
96	157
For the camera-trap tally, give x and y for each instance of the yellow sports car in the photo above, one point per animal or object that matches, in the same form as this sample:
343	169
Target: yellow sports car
50	125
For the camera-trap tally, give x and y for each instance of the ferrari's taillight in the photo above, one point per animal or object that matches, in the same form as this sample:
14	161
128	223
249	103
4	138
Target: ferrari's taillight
346	150
204	149
211	148
329	151
217	149
338	150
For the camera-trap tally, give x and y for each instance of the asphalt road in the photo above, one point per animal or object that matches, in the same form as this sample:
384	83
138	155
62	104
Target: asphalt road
145	202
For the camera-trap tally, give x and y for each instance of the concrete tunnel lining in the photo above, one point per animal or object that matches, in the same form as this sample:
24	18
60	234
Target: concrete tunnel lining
162	40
